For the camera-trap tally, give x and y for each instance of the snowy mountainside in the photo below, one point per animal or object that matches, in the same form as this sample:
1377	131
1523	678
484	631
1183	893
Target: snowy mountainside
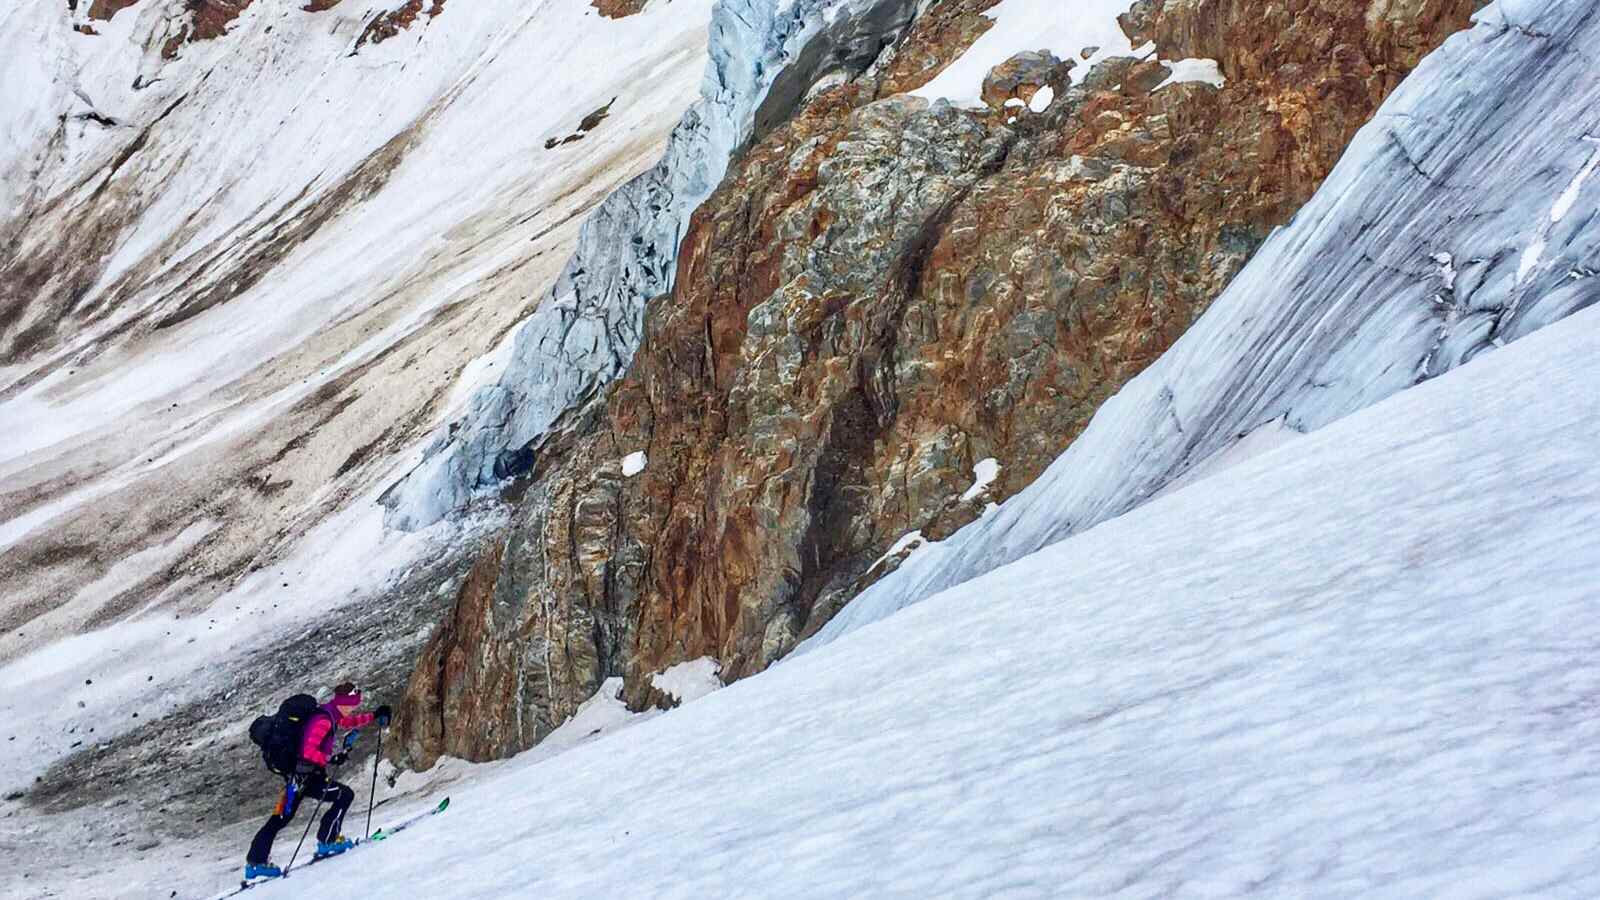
1443	233
1367	675
243	277
289	299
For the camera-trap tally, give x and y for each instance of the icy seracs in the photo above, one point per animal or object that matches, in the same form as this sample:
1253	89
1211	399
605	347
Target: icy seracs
764	56
1480	155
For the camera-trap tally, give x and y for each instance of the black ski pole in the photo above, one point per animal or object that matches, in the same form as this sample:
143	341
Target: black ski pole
321	792
373	794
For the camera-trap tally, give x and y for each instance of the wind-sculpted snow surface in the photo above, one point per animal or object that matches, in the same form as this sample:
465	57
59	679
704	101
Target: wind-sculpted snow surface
1371	674
764	56
1461	218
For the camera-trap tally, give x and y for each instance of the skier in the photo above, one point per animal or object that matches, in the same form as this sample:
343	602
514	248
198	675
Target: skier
311	781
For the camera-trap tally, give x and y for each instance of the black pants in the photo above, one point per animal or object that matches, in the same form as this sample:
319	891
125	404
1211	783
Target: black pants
336	798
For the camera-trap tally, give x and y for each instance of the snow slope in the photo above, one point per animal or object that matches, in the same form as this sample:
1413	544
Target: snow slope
184	484
258	287
1413	257
1371	673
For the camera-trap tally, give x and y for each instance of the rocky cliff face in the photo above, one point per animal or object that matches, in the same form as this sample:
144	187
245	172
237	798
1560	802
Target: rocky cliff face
882	295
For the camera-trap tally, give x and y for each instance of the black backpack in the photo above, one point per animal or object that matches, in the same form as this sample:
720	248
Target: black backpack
279	735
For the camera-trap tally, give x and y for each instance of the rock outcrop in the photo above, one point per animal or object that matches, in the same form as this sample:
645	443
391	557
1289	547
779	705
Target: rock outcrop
389	24
1021	78
881	294
617	9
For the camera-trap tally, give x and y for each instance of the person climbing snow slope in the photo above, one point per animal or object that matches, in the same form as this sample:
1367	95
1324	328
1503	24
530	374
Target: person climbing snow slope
310	779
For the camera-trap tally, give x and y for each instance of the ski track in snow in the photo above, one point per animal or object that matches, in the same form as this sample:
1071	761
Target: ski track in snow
1372	673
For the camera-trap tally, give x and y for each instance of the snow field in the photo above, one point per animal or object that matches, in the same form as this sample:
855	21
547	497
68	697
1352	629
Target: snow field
1204	71
1063	28
1369	674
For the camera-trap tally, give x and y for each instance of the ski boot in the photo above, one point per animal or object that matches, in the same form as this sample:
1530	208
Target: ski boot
334	847
261	870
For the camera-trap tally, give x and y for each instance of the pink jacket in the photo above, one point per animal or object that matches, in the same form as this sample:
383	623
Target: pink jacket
317	743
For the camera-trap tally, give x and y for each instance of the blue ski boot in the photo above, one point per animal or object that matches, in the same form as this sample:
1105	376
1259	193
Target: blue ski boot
334	847
261	870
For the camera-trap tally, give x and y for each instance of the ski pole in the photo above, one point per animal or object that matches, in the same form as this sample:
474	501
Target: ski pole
373	794
321	793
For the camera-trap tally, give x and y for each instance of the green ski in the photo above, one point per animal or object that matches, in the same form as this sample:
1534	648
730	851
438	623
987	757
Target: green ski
383	833
378	835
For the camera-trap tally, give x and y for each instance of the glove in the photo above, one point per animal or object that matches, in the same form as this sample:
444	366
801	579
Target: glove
383	714
338	758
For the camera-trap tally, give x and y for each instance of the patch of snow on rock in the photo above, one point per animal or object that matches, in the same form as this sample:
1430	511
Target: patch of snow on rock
605	711
1205	71
689	681
1032	25
912	540
983	475
634	463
